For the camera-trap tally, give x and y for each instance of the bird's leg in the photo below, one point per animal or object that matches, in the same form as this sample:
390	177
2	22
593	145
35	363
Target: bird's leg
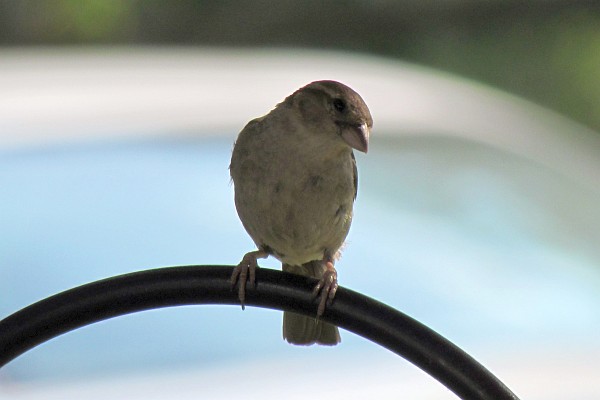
327	286
246	272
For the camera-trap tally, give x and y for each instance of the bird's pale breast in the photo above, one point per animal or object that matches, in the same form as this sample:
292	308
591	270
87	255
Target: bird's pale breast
294	198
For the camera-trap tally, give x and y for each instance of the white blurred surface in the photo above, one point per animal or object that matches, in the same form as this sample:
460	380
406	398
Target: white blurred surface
534	377
49	93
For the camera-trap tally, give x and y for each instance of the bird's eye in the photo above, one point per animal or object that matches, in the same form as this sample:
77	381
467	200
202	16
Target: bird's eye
339	105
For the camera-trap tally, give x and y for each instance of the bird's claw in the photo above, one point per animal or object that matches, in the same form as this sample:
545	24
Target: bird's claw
326	288
245	272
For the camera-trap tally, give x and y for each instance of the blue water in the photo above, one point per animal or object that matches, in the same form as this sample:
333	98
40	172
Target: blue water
485	247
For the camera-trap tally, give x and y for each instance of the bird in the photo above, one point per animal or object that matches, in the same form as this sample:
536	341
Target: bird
295	182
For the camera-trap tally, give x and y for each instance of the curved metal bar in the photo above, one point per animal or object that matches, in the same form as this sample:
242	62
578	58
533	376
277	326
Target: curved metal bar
175	286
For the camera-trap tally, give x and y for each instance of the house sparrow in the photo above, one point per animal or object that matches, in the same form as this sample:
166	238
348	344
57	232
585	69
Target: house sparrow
295	182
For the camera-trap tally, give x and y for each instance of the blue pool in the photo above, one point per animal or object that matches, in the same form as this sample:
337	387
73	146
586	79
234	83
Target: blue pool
488	248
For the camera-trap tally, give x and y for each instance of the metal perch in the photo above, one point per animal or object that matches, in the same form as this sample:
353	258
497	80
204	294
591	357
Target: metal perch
177	286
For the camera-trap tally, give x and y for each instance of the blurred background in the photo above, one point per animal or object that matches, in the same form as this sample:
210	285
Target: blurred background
546	51
478	208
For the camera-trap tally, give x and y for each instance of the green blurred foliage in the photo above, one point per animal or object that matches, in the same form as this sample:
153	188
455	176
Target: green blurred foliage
94	19
64	21
547	51
577	66
552	58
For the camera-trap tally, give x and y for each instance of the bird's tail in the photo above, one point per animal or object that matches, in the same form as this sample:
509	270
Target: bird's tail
301	330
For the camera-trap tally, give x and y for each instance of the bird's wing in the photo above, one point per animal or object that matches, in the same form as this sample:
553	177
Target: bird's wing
355	175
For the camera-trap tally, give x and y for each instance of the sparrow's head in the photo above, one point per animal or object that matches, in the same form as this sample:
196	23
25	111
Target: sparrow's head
332	108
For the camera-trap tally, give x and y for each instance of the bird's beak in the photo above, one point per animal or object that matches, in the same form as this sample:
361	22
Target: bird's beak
357	137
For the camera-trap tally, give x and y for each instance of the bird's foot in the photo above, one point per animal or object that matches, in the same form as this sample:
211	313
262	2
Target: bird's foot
245	272
326	288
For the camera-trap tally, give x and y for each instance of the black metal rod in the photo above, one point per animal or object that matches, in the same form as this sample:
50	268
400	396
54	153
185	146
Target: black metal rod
175	286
